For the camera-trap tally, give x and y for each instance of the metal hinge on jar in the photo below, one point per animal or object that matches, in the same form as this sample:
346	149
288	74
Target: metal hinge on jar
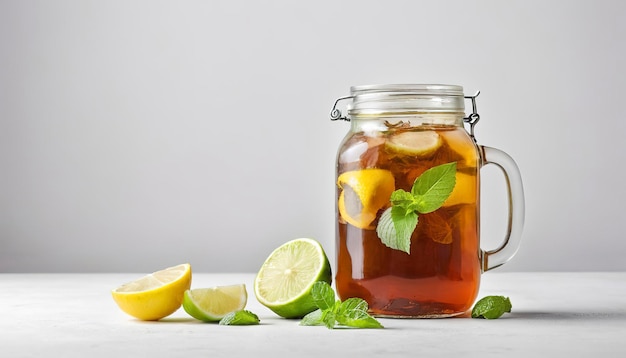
335	113
474	117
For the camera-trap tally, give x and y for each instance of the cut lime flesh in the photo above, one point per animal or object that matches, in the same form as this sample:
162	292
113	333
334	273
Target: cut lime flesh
421	143
212	304
285	279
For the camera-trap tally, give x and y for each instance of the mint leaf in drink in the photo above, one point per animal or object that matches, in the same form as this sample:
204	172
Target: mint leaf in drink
491	307
433	187
239	318
323	295
387	231
430	190
395	227
401	198
438	227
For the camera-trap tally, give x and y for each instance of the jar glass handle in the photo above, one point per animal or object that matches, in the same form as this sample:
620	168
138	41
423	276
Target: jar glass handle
497	257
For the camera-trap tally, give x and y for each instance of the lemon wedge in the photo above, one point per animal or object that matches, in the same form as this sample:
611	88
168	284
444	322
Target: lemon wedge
465	190
364	193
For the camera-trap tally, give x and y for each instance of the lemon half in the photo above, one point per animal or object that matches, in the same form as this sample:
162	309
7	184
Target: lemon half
156	295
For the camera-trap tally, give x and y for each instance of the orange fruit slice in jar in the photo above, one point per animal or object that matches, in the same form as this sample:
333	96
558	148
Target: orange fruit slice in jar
364	192
419	143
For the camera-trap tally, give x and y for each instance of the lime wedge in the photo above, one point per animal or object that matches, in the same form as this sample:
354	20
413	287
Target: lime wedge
421	143
284	282
212	304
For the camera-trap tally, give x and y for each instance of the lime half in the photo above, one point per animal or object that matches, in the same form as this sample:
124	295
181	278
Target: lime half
212	304
284	282
421	143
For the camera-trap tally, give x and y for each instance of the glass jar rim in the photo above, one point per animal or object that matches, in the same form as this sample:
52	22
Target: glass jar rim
414	88
402	98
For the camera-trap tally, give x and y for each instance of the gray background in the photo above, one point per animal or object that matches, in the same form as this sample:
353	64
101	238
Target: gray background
140	134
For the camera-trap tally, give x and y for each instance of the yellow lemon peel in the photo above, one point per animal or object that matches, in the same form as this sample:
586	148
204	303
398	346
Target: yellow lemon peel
373	187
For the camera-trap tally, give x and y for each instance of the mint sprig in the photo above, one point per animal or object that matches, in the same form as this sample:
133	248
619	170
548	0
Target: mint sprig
350	313
430	190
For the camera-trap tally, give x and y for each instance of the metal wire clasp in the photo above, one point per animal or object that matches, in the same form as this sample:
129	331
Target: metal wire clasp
335	113
473	118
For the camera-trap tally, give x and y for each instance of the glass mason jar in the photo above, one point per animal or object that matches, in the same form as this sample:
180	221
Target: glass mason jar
407	201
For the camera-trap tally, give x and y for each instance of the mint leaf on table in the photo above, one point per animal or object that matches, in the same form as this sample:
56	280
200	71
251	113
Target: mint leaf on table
350	313
353	313
323	295
329	317
491	307
239	318
430	190
313	319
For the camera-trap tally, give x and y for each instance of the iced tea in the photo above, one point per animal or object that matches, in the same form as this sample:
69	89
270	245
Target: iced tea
440	277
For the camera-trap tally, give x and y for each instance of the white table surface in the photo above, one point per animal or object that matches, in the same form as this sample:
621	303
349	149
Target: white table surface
73	315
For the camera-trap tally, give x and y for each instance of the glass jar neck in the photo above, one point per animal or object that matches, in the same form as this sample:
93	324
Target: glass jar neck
413	119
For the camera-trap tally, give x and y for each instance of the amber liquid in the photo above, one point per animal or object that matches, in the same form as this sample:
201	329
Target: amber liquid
440	277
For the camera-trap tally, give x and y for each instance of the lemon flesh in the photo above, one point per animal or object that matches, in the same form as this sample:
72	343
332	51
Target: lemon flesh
465	190
284	282
370	189
212	304
156	295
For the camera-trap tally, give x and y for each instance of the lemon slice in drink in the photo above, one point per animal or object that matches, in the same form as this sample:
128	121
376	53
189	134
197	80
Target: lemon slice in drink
367	191
284	282
420	143
212	304
156	295
465	190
